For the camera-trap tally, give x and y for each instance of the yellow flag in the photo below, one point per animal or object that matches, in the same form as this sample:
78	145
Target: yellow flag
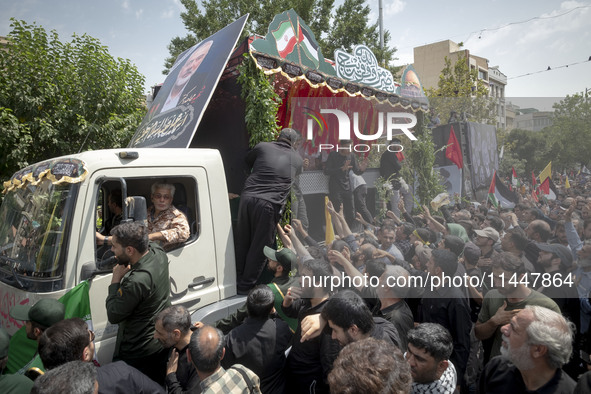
329	232
567	183
546	173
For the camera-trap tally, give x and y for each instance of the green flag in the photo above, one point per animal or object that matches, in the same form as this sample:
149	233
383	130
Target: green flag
22	349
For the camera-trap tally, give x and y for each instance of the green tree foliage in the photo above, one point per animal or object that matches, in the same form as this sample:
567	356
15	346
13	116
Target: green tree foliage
569	137
261	103
566	143
344	28
57	98
350	27
509	161
459	90
419	163
204	18
528	147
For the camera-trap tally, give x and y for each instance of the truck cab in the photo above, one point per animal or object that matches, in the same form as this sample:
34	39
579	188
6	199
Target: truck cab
52	211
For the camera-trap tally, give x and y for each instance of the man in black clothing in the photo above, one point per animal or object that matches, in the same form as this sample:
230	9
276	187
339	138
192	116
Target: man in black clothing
274	168
309	362
557	261
393	307
280	263
338	165
350	320
260	342
71	340
173	330
536	344
448	306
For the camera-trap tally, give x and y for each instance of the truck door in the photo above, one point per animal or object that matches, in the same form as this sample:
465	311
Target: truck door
192	264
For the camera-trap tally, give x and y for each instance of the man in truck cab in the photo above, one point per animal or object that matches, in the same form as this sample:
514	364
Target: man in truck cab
115	205
139	290
167	225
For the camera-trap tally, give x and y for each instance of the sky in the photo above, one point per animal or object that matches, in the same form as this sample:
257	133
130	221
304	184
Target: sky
521	37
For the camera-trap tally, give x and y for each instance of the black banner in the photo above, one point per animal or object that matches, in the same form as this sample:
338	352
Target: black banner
173	118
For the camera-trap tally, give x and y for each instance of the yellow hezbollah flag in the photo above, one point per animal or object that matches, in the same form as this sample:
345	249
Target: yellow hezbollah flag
329	233
567	183
546	173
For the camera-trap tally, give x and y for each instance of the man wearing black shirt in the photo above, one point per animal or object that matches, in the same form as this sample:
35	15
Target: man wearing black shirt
447	305
260	342
309	362
173	330
536	344
274	167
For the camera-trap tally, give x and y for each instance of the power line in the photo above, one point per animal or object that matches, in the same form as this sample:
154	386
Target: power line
551	69
480	31
526	21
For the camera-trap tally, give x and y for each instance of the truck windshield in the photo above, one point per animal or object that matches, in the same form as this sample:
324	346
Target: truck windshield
34	224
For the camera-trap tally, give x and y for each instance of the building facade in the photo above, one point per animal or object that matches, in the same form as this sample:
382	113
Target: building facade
429	61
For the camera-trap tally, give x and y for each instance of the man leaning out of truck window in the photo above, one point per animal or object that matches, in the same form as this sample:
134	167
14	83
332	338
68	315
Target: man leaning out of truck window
167	225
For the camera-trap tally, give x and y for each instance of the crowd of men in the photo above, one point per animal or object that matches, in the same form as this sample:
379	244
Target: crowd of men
477	299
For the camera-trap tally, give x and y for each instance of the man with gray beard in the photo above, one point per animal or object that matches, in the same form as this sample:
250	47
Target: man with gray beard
537	342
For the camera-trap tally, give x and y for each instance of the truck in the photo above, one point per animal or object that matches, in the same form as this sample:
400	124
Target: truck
53	209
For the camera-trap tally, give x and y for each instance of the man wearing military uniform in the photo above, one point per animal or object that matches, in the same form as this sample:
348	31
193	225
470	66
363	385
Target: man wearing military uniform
138	292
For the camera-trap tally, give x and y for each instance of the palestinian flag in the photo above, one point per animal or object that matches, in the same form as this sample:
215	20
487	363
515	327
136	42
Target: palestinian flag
514	180
285	38
499	194
308	45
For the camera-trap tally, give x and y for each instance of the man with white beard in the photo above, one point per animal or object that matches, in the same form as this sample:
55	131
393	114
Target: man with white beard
537	342
187	70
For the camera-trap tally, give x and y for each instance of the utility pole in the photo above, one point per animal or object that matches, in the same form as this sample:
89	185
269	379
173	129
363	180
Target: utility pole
382	32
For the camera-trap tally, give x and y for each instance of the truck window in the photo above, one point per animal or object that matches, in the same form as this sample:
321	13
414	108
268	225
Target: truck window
184	199
35	222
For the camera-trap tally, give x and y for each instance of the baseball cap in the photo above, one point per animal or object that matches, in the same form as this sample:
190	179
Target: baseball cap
488	232
285	257
4	342
45	312
563	252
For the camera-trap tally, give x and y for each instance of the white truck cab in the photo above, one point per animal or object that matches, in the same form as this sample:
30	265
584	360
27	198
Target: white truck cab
53	209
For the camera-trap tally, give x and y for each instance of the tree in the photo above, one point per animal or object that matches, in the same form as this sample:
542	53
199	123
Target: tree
350	27
349	23
57	98
529	148
569	137
420	160
509	162
459	90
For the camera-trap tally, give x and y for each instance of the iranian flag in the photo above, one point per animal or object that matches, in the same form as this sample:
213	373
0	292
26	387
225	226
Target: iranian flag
285	38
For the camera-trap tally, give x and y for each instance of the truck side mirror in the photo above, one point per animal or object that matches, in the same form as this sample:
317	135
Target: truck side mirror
136	210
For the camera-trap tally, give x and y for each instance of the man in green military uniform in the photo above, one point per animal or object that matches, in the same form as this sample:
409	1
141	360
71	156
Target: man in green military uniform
139	290
38	317
11	384
280	263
